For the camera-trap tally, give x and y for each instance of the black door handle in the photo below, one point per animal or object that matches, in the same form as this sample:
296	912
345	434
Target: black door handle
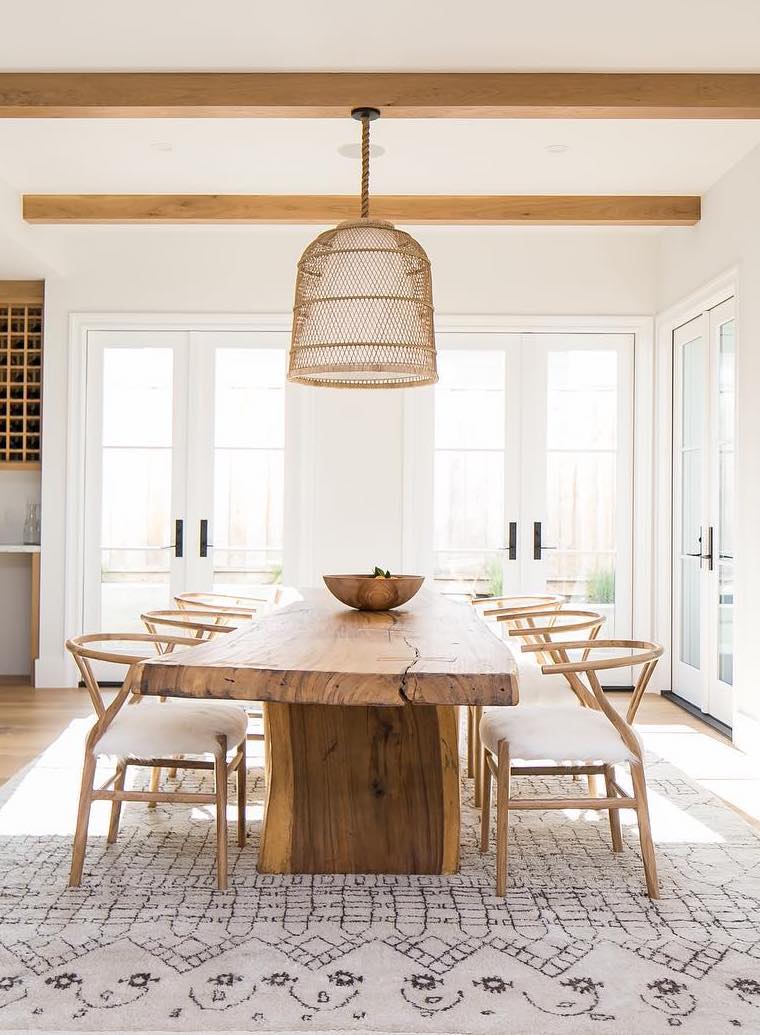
179	537
203	538
538	546
512	541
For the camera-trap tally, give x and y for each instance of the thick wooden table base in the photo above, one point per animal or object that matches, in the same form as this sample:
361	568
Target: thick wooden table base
360	721
354	789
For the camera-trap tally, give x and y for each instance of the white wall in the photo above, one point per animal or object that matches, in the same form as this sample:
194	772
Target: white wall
728	235
358	436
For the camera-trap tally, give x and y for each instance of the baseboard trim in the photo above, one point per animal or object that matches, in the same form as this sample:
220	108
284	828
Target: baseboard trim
54	672
708	720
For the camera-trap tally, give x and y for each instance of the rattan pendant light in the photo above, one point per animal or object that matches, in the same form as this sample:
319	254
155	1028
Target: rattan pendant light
363	311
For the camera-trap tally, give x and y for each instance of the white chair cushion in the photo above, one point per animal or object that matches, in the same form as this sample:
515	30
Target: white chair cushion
155	729
566	734
537	689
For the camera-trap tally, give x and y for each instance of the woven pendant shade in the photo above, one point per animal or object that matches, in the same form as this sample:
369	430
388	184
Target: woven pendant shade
363	311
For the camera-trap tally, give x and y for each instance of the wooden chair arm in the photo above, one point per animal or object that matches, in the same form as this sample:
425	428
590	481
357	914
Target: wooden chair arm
647	652
590	620
79	645
189	620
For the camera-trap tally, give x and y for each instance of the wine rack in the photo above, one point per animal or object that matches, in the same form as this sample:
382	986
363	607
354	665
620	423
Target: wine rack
21	329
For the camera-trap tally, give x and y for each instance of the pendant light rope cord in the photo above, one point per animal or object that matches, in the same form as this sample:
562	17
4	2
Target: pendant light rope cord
365	167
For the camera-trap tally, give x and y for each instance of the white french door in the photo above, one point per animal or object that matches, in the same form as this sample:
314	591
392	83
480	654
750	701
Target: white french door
533	468
704	353
184	468
577	471
237	452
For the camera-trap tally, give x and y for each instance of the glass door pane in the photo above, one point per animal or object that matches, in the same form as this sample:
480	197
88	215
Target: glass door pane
248	485
581	482
691	516
725	529
135	487
578	470
469	458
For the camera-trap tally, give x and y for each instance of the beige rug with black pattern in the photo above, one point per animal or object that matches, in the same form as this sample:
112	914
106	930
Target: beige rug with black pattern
147	944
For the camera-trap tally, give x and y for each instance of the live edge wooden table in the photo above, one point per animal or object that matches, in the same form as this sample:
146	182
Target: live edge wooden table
361	724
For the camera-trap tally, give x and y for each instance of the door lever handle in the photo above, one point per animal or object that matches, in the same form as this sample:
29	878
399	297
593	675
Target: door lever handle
538	546
203	538
512	541
709	555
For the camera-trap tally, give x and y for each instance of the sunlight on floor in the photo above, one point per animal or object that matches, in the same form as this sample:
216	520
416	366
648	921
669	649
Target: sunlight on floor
44	798
670	825
711	761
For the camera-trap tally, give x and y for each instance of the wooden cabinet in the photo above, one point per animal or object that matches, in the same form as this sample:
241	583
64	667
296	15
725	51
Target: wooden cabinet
21	332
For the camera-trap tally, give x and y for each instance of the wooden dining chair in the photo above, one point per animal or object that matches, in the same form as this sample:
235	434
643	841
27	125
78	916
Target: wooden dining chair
203	625
539	628
515	609
225	602
147	733
567	741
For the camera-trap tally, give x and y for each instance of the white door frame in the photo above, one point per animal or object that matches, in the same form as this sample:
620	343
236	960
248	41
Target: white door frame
418	441
707	297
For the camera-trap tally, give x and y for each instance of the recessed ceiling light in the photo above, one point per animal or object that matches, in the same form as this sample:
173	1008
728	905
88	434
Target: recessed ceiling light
557	149
161	145
355	151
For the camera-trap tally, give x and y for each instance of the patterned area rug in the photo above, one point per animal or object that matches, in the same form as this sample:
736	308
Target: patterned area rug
577	947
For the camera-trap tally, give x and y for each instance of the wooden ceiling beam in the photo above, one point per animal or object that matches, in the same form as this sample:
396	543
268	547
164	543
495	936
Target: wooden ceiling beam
295	209
456	95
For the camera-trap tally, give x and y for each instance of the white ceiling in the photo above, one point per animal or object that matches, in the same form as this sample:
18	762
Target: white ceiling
477	35
433	156
436	156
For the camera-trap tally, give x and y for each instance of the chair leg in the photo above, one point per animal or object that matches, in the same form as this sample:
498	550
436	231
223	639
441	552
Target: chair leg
118	785
155	782
242	795
83	821
593	785
614	814
485	808
503	782
477	755
470	758
220	781
645	830
172	773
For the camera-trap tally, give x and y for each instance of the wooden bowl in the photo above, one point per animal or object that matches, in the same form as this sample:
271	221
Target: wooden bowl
366	593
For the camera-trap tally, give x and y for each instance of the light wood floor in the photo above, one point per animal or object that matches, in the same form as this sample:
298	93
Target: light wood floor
30	720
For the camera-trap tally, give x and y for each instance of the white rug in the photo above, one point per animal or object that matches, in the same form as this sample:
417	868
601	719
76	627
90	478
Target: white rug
147	944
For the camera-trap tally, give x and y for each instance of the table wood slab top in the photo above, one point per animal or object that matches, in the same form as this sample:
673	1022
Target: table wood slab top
432	651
